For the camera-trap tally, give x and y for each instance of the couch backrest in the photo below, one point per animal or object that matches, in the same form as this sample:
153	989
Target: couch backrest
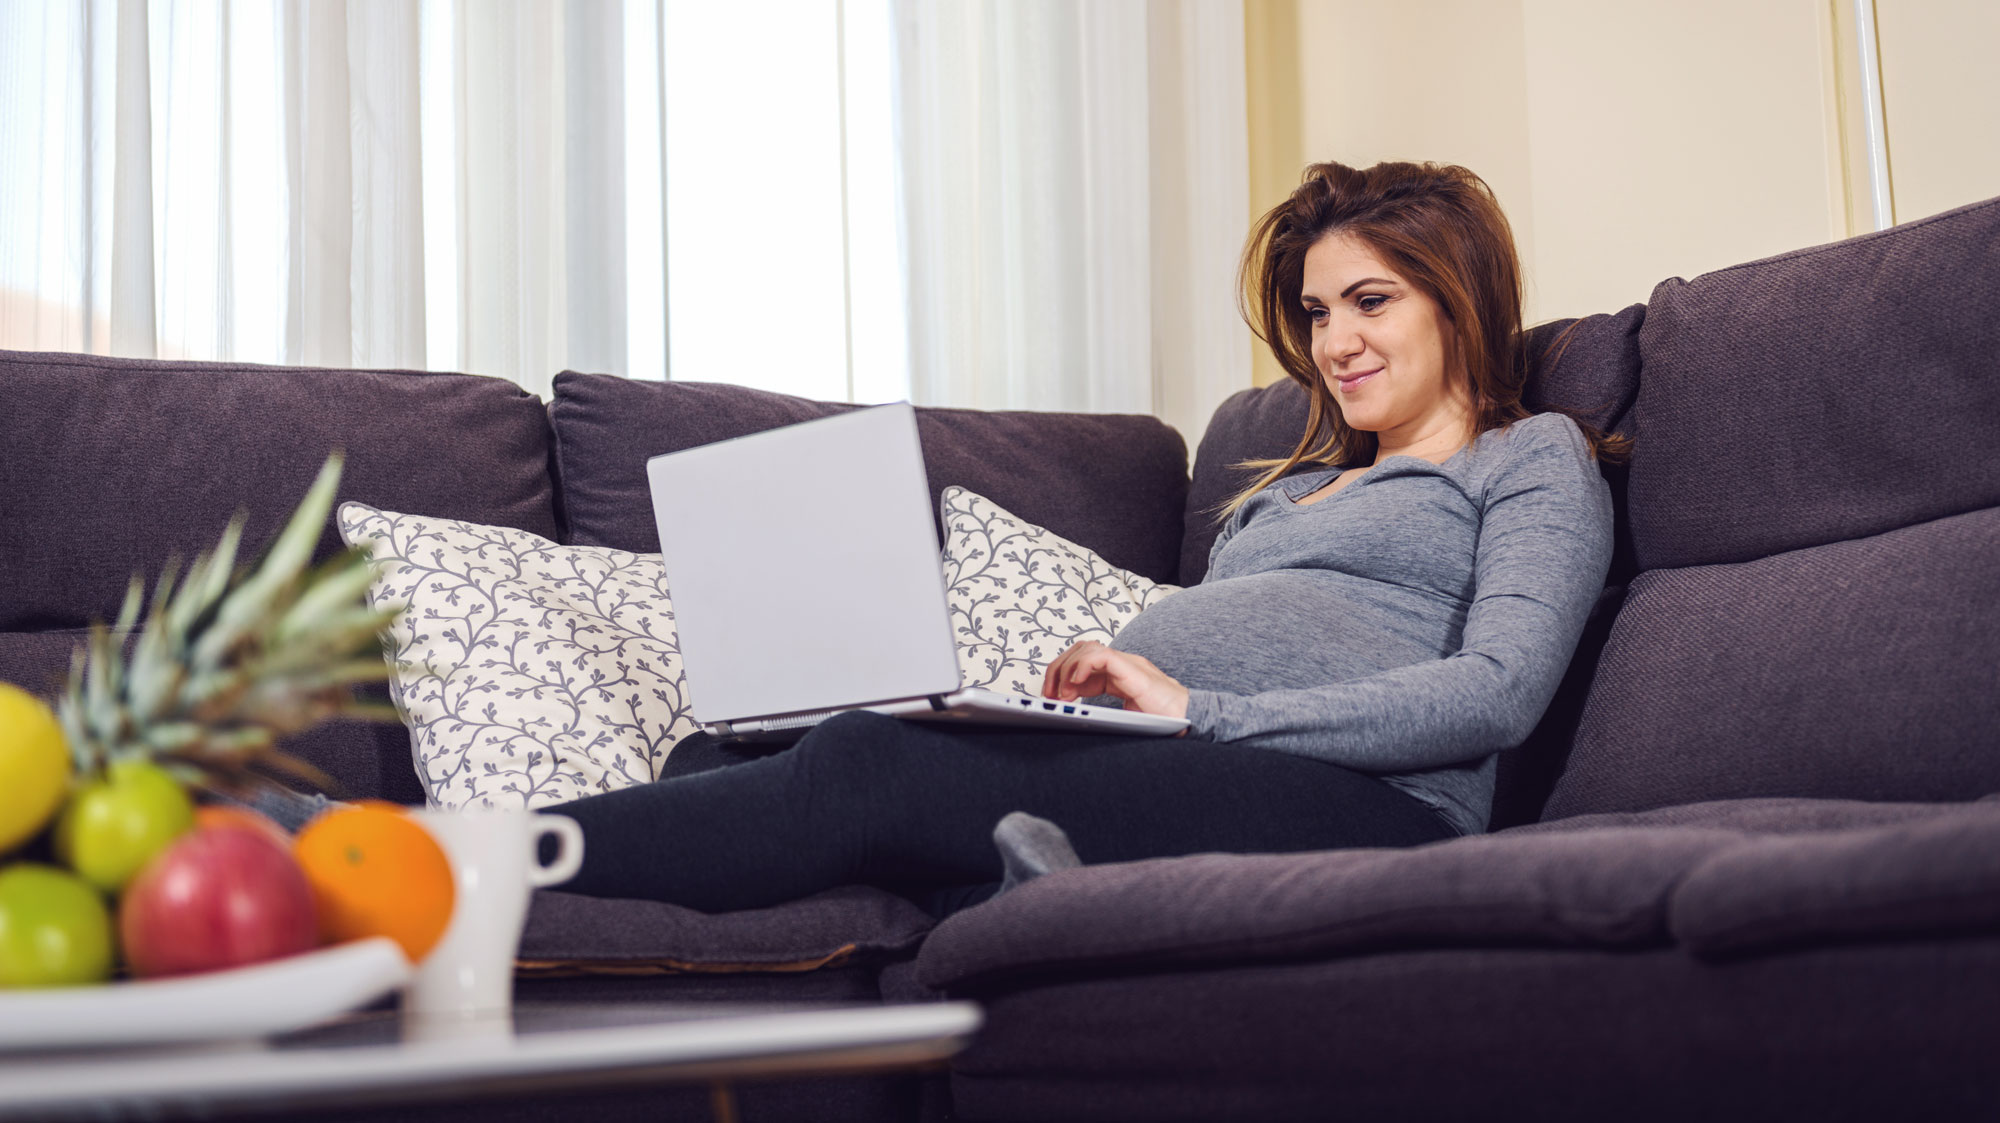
1115	483
113	465
1815	509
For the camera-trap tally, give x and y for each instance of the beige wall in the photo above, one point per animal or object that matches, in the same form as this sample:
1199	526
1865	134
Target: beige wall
1941	93
1277	141
1441	80
1634	141
1669	139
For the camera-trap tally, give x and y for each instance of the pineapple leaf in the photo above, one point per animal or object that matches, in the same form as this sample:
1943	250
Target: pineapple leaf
228	660
340	674
349	634
298	769
243	609
99	692
334	586
221	563
293	548
172	736
70	714
128	612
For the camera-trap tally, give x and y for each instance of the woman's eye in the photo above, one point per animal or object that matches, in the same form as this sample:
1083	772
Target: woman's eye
1316	315
1372	302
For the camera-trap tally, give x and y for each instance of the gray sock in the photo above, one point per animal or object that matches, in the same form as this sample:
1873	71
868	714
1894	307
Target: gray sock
1030	847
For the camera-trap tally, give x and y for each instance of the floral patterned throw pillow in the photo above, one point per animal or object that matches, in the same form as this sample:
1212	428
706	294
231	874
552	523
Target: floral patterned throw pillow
529	673
1019	594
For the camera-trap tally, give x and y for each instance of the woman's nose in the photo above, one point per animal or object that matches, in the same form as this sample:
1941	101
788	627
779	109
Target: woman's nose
1338	343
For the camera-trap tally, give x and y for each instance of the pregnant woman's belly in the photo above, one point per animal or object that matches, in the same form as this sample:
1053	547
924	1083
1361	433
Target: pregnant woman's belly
1291	628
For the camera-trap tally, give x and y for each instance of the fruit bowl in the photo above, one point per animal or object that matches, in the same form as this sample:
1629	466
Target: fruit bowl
246	1002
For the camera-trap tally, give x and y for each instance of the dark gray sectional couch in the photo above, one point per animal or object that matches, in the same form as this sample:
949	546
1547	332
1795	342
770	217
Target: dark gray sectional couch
1747	867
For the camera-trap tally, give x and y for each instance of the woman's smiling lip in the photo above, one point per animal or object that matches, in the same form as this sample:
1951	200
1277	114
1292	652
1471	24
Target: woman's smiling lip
1350	381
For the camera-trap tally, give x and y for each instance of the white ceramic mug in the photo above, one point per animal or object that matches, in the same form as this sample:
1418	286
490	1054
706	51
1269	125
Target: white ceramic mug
495	860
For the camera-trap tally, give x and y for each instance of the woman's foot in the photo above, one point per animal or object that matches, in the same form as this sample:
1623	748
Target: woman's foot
1030	847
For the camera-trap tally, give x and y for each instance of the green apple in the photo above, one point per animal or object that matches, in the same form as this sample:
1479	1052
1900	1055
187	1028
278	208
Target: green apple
54	929
116	822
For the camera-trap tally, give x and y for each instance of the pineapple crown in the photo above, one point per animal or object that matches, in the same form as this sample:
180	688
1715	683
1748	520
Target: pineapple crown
232	659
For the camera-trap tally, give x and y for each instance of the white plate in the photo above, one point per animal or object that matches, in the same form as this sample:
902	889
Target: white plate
283	994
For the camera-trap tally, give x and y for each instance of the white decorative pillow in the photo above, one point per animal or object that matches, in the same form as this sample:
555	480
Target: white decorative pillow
529	673
1019	595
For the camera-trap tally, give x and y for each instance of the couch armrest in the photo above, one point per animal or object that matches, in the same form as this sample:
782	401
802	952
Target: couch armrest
1573	889
1938	876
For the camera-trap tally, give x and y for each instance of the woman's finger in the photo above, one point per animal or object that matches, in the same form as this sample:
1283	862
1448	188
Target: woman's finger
1098	671
1078	678
1058	668
1088	664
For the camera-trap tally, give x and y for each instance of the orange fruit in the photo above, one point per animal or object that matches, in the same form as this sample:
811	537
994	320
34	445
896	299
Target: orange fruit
375	871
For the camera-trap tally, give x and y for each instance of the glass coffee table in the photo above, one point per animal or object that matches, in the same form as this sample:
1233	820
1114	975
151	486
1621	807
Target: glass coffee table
378	1058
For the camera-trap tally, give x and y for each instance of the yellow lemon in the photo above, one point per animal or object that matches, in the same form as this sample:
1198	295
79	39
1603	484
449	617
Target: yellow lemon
34	765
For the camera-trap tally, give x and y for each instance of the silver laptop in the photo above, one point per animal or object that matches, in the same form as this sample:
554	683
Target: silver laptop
804	570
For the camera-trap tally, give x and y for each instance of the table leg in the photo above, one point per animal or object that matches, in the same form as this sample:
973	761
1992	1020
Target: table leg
722	1102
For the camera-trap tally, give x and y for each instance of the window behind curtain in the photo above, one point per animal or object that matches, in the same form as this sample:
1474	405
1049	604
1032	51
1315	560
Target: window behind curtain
724	208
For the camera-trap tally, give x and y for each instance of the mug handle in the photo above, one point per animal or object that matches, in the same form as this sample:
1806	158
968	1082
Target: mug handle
569	856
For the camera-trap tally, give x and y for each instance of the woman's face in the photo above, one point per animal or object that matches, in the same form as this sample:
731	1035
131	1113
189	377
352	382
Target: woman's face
1381	344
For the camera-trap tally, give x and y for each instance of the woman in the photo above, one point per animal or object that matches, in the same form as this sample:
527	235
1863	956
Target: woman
1371	632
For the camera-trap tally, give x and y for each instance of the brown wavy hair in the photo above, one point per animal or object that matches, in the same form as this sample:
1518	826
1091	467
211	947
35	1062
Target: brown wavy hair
1440	228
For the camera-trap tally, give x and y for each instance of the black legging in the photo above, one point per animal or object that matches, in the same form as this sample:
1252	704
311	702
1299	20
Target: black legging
910	807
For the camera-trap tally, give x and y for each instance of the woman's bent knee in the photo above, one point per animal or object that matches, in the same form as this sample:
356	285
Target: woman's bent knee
856	738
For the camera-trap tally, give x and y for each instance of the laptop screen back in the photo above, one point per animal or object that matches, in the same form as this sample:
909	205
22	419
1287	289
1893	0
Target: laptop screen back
803	567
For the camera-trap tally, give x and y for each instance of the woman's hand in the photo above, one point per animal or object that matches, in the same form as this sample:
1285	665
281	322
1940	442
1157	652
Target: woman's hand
1090	668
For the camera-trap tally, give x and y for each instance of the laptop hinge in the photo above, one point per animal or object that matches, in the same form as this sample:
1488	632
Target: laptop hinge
937	703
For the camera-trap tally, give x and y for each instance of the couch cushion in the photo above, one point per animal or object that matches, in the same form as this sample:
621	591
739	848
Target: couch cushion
1829	393
1934	876
114	464
1857	670
1574	889
1588	367
569	932
1114	483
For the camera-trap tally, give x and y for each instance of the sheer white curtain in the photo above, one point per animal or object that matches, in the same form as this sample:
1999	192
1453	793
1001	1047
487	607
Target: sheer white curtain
1000	203
335	182
1076	194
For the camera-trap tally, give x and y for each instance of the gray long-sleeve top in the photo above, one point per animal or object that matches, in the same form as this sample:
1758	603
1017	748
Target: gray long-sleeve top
1412	624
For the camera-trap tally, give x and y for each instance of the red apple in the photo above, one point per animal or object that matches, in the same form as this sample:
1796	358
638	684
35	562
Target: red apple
221	896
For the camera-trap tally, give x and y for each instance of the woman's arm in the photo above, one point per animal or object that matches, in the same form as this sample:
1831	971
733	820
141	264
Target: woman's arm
1544	548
